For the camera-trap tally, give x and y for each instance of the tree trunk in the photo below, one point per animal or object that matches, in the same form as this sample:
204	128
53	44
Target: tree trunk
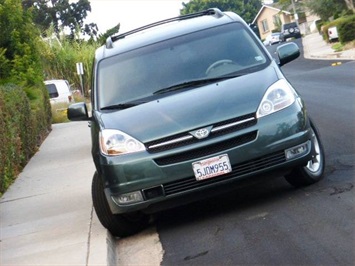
350	4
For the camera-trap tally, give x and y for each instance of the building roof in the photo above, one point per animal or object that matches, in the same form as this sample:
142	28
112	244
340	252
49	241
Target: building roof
271	7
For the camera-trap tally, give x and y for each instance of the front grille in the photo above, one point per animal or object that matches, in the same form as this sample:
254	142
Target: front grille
248	167
207	150
218	129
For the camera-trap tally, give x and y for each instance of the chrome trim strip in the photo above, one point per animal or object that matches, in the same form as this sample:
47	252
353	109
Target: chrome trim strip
232	124
187	137
171	142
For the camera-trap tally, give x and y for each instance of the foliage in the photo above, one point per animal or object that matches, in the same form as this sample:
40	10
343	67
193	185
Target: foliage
350	4
4	63
346	29
18	45
24	101
345	26
102	38
61	14
326	9
244	8
21	128
338	47
319	25
60	57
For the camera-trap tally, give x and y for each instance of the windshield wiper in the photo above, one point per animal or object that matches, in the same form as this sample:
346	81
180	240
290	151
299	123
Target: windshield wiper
195	83
179	86
121	106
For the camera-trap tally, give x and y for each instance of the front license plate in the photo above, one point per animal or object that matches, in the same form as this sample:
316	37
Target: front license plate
212	167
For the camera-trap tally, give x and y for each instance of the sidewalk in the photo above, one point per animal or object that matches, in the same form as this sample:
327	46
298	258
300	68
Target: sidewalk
47	217
316	48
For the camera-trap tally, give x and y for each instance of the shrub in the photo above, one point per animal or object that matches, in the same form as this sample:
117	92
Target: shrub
325	28
15	127
23	125
345	27
319	25
25	112
346	30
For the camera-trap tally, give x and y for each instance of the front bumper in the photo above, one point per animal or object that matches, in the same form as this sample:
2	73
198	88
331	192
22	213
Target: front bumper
161	182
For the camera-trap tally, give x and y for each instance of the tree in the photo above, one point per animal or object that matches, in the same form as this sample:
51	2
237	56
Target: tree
247	9
327	8
350	4
19	45
323	8
114	30
62	15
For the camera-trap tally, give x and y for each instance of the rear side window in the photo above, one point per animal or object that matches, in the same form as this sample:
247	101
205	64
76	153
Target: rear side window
290	25
52	90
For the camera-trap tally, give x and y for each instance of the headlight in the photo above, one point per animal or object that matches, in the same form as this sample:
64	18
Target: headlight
114	142
277	97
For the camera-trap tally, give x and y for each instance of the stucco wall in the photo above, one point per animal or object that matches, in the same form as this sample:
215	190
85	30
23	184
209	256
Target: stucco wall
267	14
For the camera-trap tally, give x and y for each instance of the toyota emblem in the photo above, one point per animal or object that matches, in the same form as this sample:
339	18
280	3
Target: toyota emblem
201	133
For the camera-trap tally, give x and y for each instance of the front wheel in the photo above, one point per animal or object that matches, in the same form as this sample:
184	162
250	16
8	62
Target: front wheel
314	170
119	225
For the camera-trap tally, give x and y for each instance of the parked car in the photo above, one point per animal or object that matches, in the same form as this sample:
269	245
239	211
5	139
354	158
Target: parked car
290	30
333	34
187	110
272	38
59	91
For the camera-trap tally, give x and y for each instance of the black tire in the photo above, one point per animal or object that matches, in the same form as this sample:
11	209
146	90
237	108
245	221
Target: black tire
314	170
119	225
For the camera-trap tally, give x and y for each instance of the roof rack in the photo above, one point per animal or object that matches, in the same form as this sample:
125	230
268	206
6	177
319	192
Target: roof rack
211	11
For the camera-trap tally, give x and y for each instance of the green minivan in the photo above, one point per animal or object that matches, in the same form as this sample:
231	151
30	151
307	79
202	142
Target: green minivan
187	107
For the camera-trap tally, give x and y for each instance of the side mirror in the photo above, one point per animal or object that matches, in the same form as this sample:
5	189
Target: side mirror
287	53
78	112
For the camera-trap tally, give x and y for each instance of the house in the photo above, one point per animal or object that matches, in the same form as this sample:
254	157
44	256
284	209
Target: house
270	18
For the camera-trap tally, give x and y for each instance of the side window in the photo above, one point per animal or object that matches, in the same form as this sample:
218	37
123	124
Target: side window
276	20
264	25
52	90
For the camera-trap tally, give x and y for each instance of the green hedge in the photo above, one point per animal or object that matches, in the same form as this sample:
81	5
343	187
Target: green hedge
25	121
346	30
345	27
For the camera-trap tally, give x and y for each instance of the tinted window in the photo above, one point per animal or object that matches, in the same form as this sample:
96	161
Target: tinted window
139	73
52	90
290	25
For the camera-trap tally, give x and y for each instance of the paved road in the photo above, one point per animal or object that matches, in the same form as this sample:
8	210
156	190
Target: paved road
269	222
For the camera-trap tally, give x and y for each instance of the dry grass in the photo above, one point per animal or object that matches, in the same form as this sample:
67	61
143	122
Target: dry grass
349	45
59	113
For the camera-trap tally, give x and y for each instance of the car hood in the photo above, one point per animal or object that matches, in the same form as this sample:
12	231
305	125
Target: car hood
192	109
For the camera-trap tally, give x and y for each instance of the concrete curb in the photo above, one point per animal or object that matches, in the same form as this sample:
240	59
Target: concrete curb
316	48
102	245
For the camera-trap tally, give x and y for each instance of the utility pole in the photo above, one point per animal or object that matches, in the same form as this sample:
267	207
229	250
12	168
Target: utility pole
294	10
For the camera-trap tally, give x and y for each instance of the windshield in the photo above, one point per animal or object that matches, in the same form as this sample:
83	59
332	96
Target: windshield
211	53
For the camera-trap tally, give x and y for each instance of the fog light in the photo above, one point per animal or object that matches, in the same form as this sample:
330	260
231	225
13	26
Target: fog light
297	151
128	198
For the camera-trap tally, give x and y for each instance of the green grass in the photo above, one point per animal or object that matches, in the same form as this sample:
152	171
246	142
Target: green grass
338	47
